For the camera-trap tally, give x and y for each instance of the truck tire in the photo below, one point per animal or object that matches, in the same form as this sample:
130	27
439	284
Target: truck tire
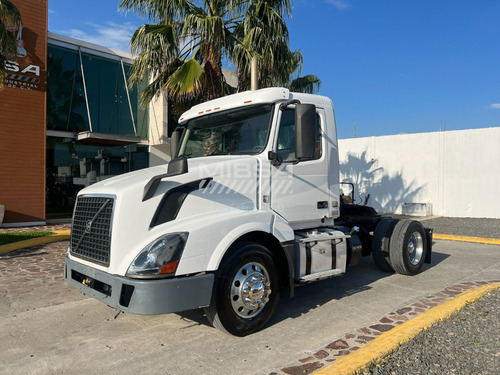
380	243
408	247
245	292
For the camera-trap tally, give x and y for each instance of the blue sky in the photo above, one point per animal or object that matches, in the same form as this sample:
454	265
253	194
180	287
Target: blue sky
391	66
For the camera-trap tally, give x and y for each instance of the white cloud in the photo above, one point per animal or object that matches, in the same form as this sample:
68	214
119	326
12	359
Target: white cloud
339	4
111	35
495	105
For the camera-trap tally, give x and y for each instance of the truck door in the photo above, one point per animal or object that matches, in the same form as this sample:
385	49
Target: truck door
299	189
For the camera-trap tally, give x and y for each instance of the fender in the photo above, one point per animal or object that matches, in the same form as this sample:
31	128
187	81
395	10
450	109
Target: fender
262	221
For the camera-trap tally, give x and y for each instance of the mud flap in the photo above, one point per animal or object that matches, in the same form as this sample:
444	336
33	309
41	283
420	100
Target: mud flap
428	234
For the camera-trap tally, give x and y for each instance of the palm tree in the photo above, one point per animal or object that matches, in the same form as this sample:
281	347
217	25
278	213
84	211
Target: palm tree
184	47
308	84
263	33
278	69
9	18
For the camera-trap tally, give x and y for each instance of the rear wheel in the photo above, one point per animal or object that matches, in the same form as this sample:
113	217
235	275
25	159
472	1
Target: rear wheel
380	243
245	292
408	247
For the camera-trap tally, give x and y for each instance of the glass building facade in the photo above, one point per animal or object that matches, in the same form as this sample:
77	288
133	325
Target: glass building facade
96	128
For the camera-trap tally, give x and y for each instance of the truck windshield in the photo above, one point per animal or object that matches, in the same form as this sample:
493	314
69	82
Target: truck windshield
240	131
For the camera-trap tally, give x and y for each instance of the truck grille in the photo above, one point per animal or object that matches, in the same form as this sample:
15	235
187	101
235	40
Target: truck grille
91	230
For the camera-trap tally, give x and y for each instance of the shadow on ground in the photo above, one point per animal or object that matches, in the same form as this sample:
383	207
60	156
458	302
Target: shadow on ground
308	297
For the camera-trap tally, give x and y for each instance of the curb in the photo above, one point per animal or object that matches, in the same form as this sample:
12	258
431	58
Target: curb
391	340
452	237
58	235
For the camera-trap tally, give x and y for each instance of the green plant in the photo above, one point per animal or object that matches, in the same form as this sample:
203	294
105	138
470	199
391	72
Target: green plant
10	237
9	18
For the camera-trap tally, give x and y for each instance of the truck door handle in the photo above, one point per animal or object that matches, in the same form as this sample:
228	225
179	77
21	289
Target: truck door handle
322	204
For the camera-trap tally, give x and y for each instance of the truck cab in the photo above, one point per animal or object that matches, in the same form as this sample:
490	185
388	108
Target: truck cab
250	204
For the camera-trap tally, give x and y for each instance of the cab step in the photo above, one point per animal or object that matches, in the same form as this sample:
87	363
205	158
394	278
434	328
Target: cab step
324	235
320	275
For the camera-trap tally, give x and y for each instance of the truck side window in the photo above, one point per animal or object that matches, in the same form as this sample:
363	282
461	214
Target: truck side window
286	137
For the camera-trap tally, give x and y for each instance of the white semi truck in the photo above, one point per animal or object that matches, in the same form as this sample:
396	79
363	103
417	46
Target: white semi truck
250	204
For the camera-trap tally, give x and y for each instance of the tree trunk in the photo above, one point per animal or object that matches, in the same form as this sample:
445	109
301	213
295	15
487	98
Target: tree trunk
212	88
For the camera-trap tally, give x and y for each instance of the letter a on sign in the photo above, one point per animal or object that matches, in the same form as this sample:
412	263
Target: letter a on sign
35	69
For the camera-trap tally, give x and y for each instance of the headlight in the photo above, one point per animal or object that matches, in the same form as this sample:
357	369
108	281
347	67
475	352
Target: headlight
160	257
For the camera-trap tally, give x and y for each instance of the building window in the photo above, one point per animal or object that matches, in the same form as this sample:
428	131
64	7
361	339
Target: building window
71	166
81	84
66	108
88	93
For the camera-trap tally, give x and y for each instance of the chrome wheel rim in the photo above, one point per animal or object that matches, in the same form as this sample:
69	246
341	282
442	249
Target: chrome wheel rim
415	248
250	290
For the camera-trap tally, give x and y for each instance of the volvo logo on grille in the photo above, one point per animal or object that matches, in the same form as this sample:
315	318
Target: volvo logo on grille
88	226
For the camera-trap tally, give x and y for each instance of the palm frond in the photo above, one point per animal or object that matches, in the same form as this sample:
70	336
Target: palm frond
156	46
9	17
156	10
9	14
308	84
8	43
187	80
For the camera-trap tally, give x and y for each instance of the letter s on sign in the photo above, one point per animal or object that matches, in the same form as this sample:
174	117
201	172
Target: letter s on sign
11	66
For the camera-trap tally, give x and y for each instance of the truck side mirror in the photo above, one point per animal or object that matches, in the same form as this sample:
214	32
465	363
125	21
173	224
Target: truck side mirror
305	131
175	139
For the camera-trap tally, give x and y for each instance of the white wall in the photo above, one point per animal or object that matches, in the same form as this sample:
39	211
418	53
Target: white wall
458	172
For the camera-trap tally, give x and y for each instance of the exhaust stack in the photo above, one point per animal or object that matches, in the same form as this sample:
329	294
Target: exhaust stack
253	74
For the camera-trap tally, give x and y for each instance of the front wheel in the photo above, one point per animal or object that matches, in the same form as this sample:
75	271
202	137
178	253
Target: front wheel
245	292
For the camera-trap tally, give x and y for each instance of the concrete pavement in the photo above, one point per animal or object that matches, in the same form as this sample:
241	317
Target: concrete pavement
46	327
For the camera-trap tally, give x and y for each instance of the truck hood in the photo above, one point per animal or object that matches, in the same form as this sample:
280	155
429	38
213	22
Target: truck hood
238	167
223	185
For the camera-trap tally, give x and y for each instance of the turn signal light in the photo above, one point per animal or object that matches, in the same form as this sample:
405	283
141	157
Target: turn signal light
169	268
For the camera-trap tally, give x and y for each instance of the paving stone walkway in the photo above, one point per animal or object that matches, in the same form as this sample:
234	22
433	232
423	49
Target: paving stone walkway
33	278
352	341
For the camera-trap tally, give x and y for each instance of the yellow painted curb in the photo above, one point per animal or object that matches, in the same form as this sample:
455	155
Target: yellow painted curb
58	235
389	341
451	237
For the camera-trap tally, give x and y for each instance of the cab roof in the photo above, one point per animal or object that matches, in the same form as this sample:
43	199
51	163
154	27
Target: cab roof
262	96
268	95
